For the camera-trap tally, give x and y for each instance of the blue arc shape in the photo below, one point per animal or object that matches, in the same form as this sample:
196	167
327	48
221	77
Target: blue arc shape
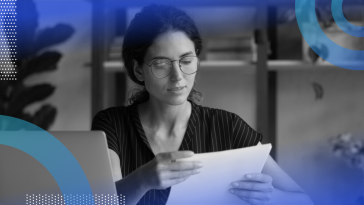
50	152
314	36
342	22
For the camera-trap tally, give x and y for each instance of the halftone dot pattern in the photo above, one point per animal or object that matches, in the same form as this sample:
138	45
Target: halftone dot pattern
7	40
74	199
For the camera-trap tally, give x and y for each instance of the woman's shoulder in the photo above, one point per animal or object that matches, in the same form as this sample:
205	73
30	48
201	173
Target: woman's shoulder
114	113
228	125
215	114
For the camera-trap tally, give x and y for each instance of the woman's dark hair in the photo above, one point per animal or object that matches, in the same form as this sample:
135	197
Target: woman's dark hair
146	26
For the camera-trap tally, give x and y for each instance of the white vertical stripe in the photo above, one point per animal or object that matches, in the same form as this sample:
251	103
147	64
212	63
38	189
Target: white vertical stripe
246	137
213	137
242	135
218	127
228	130
237	134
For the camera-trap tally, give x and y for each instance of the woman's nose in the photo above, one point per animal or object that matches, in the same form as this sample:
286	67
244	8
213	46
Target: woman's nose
176	73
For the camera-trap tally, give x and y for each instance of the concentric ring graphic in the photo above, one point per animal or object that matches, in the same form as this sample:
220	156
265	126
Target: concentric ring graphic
50	152
342	22
313	34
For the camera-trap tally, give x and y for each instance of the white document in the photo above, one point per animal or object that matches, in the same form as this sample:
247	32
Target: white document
211	186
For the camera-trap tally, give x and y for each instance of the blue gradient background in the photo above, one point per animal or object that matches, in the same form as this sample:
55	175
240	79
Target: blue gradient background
342	22
50	152
336	57
347	186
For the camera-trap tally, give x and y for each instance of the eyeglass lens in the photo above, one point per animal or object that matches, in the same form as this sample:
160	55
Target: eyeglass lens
162	67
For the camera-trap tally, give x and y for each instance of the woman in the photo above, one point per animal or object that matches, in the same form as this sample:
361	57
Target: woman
164	122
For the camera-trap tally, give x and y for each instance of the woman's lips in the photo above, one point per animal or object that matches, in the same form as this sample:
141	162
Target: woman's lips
176	89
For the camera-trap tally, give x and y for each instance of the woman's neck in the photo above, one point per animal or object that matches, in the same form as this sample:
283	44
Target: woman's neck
163	116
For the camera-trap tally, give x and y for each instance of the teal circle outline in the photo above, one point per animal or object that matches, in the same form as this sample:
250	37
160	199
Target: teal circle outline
315	35
342	22
50	152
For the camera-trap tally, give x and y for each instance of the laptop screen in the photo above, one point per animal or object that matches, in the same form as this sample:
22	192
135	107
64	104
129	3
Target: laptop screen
24	179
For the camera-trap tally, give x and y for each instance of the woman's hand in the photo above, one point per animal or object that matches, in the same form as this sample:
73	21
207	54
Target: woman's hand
256	189
163	171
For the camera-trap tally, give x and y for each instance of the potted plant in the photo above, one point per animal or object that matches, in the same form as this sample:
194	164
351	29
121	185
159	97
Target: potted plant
32	57
351	149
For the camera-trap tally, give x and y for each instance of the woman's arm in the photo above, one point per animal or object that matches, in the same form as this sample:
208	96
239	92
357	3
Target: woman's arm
115	165
129	186
272	186
286	191
160	173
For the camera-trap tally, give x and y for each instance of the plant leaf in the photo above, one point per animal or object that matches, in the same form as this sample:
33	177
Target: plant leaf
4	126
52	36
28	95
26	117
3	90
45	116
2	108
47	61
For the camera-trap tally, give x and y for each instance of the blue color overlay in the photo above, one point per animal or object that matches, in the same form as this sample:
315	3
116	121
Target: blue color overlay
315	35
50	152
342	22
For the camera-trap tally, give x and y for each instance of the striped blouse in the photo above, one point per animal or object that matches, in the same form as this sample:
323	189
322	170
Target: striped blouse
208	130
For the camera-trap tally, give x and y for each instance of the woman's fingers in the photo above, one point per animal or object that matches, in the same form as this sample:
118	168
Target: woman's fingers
163	184
254	186
184	165
165	171
256	189
170	174
259	177
175	177
166	161
171	156
172	182
178	166
183	174
171	178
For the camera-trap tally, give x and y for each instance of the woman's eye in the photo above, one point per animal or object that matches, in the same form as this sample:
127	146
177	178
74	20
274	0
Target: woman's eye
160	63
186	62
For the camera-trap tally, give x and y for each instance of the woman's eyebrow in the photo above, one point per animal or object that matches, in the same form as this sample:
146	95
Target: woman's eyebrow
186	54
163	57
159	57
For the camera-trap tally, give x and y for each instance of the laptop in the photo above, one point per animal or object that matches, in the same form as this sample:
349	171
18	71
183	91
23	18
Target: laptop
24	180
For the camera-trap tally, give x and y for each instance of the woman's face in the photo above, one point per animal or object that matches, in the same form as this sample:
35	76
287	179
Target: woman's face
172	45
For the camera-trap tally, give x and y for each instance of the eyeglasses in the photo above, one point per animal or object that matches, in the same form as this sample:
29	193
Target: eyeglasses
161	68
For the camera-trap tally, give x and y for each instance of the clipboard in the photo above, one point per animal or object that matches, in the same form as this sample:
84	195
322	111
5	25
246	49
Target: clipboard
211	186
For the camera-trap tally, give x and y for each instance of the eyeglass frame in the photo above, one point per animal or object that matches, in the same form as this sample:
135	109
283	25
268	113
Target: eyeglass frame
170	69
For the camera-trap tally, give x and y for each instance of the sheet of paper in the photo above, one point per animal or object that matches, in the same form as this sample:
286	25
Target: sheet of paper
219	170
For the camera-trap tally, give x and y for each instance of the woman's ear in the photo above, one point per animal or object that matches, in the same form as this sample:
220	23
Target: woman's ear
138	71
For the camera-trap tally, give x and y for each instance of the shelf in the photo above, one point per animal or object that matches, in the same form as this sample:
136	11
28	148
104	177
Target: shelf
275	65
114	66
117	66
285	65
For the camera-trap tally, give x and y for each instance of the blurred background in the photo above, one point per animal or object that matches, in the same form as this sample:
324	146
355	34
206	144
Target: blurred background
255	63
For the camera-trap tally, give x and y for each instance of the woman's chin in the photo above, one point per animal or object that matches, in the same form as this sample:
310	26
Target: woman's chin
177	100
